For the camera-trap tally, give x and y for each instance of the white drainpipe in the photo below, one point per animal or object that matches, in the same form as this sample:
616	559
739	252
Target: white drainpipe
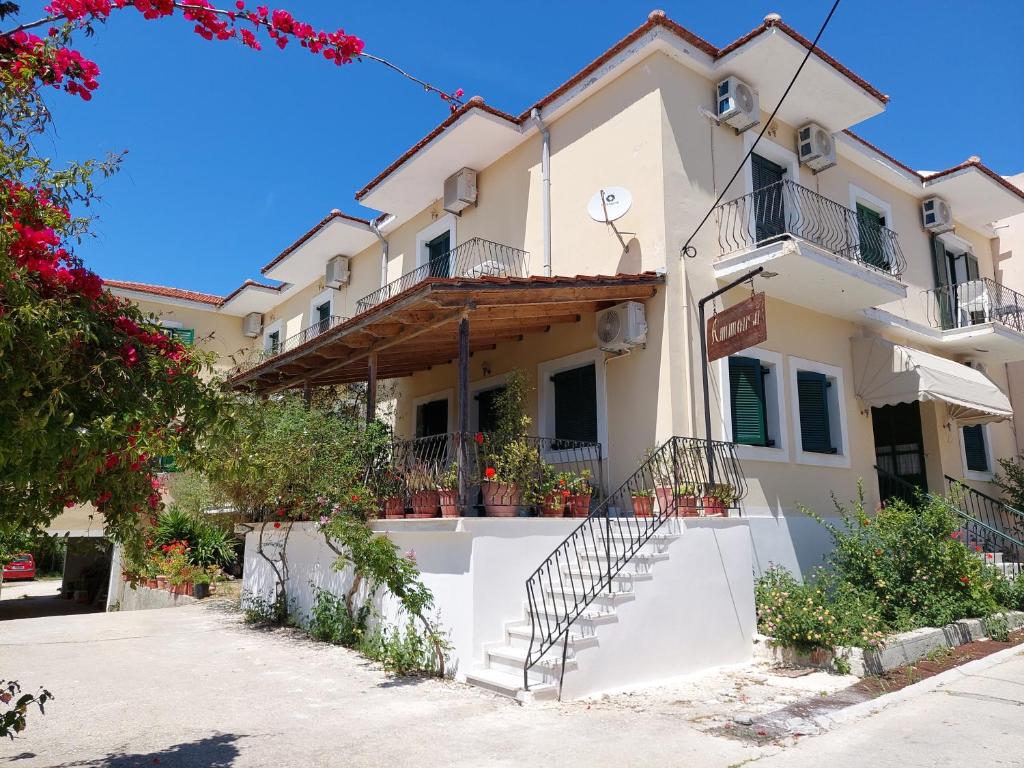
545	172
375	228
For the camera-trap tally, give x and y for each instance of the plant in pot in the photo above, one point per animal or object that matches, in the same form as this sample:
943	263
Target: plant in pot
423	494
581	491
201	584
643	502
553	492
686	500
389	491
448	491
717	499
511	463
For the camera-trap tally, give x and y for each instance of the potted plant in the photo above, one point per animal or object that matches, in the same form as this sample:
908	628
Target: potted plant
581	491
423	495
388	488
510	461
448	492
717	499
553	492
686	500
201	585
643	502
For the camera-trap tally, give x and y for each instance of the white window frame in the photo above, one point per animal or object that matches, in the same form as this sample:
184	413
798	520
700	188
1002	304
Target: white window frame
837	412
446	223
444	394
277	325
546	397
774	401
769	150
329	295
971	474
475	388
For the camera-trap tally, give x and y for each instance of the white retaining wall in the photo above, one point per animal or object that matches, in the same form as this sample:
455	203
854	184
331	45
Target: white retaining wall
698	611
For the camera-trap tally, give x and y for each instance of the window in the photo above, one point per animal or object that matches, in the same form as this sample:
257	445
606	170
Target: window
432	418
749	409
184	335
323	316
273	341
486	415
873	217
321	307
962	299
815	429
437	249
975	449
819	413
576	404
432	242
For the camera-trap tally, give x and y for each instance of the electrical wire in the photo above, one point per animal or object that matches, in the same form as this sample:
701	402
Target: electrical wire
689	250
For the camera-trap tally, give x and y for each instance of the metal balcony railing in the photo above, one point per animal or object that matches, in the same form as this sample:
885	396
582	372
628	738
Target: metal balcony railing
981	300
474	258
296	340
785	210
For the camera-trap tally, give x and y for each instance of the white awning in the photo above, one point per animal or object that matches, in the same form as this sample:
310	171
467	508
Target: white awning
886	374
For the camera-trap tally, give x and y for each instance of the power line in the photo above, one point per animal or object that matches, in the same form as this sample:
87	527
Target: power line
689	250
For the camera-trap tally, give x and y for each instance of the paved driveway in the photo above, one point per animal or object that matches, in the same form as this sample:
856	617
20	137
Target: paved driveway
193	687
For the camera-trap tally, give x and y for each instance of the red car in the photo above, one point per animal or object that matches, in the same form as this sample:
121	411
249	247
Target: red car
21	567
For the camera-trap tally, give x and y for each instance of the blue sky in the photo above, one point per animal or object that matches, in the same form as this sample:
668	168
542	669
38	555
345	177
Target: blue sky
232	154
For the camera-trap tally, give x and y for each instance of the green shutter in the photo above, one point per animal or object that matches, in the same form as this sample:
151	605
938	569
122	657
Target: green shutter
943	295
871	231
576	404
815	431
746	394
184	335
974	448
972	266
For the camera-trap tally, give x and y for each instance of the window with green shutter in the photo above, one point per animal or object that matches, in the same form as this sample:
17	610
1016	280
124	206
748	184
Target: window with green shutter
974	448
871	233
184	335
815	427
747	401
576	404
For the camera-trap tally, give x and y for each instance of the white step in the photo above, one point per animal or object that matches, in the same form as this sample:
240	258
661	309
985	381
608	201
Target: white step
605	598
510	685
623	579
639	562
589	618
545	670
519	636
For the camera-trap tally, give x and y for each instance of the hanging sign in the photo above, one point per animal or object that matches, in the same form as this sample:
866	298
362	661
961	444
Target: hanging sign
734	329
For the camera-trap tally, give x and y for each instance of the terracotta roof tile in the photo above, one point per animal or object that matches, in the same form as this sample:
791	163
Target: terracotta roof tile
250	284
166	291
1010	187
335	214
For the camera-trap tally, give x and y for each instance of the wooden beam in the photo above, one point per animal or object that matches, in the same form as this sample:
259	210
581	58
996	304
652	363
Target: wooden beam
371	388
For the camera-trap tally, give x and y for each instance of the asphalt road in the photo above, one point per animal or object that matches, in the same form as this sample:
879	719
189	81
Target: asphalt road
193	687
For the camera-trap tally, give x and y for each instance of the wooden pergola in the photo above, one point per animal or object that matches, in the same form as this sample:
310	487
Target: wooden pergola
439	321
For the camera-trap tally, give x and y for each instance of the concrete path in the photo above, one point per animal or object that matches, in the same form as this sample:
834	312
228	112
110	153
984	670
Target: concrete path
30	599
191	686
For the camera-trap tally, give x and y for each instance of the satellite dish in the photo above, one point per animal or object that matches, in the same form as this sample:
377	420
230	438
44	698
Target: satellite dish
609	204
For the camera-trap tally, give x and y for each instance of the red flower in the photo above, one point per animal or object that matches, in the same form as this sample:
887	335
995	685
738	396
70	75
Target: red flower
489	473
977	547
955	535
277	525
280	513
479	437
965	580
355	497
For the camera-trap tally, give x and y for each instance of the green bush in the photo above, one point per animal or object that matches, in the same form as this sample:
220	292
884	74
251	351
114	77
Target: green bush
330	621
209	543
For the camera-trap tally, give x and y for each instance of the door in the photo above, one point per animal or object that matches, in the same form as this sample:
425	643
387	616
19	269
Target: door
899	450
437	254
871	234
323	317
486	411
769	206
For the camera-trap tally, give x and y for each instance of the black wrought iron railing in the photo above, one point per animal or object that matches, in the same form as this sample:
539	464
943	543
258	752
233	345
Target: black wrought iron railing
474	258
474	474
295	340
673	481
785	210
977	301
987	525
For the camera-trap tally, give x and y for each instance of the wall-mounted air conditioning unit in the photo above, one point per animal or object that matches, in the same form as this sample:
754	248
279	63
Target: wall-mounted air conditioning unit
622	327
252	325
737	104
460	191
936	215
816	147
336	273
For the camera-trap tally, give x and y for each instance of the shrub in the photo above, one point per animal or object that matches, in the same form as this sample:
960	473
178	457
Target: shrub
209	543
331	622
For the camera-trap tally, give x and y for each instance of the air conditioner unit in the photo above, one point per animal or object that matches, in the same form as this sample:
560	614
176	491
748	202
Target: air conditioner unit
936	215
336	274
816	147
622	327
737	104
252	325
460	191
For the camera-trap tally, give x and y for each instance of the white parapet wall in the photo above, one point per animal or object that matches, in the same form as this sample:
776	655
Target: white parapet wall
697	612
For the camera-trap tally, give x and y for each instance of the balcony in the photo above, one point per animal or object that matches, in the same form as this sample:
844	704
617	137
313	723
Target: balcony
474	258
292	342
816	252
979	316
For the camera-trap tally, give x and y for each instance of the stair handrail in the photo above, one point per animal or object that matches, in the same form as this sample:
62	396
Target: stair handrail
677	477
999	514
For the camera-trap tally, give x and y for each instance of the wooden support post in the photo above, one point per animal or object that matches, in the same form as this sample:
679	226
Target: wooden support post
371	388
463	454
307	394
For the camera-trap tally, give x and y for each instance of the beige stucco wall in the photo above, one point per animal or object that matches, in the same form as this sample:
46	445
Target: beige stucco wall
214	332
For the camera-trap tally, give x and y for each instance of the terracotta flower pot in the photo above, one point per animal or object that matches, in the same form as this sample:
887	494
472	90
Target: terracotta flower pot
152	584
643	506
688	506
393	507
553	505
424	504
161	582
666	499
502	499
713	507
579	504
449	501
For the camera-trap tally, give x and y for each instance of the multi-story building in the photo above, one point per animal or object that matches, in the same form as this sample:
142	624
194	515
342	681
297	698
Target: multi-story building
890	304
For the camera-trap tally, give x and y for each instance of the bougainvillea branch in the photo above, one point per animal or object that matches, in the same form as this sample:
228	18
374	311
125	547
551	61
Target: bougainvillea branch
22	51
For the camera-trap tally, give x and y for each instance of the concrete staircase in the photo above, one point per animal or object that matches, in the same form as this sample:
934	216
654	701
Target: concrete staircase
502	668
